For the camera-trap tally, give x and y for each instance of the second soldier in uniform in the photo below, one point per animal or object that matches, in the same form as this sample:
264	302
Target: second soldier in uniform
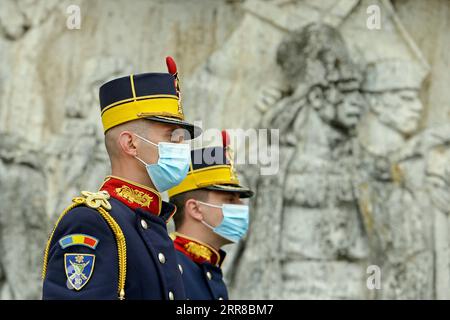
210	214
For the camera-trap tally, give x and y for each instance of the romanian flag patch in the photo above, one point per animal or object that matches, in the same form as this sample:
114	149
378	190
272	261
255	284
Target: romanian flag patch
78	240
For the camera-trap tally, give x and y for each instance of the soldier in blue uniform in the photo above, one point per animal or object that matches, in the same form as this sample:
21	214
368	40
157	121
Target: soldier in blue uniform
210	214
113	243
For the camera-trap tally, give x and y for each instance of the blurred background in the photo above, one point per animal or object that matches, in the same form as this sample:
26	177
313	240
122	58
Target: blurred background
358	91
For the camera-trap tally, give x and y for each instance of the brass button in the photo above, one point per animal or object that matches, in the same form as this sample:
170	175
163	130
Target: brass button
171	296
161	258
209	275
180	268
144	224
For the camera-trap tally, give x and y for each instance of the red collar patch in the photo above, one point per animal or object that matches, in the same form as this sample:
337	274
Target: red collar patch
133	195
197	251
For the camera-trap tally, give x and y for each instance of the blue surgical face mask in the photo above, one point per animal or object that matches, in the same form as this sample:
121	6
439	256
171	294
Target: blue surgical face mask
172	167
235	221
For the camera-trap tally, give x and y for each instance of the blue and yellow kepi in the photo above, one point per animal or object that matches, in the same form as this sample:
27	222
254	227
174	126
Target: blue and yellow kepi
153	96
212	168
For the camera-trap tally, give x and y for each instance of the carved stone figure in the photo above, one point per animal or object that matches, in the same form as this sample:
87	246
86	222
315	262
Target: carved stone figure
315	205
35	181
421	167
438	185
393	210
392	90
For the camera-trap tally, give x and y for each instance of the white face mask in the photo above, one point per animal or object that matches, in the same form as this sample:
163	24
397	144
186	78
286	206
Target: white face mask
235	221
173	164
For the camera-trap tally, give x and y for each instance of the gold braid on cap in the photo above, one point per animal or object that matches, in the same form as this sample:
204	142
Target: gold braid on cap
172	67
229	152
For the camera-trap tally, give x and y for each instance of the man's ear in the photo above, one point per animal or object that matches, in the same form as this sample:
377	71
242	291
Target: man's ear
127	142
192	209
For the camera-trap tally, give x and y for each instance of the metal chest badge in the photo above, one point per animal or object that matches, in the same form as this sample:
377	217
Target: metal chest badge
79	268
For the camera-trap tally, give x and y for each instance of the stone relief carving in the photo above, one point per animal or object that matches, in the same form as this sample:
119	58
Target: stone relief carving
421	246
317	113
83	154
351	195
69	163
438	177
23	213
438	185
361	180
17	17
392	209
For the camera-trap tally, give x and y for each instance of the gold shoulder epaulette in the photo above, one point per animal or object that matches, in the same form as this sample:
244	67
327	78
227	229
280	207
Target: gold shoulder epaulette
99	202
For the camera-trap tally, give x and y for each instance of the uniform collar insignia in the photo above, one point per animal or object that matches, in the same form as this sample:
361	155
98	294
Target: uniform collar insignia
133	195
197	251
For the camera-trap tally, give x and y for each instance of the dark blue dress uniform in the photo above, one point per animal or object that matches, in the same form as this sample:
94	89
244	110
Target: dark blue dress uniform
151	267
114	243
211	169
201	269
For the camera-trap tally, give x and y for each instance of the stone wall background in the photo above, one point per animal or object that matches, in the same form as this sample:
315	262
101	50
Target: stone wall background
379	195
